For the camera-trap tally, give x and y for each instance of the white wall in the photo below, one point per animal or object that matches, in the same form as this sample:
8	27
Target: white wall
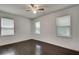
22	29
48	29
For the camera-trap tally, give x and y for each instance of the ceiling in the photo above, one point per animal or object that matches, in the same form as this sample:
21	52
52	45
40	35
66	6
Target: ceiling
19	9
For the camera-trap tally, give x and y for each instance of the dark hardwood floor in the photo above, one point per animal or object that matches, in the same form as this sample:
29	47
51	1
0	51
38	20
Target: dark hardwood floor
34	47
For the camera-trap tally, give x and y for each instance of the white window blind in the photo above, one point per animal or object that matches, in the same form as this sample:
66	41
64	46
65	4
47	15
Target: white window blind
7	26
63	26
37	27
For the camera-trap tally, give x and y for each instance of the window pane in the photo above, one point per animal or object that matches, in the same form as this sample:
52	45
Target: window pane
38	31
37	27
63	31
7	23
63	21
5	31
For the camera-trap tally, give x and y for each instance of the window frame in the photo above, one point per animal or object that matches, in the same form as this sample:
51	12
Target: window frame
70	26
7	27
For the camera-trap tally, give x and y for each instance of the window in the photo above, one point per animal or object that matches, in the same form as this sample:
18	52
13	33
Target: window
37	27
7	26
63	26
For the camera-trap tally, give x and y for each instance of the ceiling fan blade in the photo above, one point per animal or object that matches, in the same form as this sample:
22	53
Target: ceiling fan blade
32	5
41	9
28	10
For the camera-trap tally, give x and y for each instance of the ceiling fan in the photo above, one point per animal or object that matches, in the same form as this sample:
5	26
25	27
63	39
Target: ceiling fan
35	8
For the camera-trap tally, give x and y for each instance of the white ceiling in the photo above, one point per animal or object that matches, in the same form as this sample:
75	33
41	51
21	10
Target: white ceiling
19	9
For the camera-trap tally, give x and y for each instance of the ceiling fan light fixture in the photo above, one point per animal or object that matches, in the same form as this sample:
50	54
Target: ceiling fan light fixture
34	12
35	8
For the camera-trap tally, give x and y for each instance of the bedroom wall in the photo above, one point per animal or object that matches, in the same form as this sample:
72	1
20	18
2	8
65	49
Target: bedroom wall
48	29
22	29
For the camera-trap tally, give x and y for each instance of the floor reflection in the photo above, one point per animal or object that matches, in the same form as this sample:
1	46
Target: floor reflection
10	51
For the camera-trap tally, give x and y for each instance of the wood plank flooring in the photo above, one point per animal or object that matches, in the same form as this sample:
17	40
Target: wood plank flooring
34	47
